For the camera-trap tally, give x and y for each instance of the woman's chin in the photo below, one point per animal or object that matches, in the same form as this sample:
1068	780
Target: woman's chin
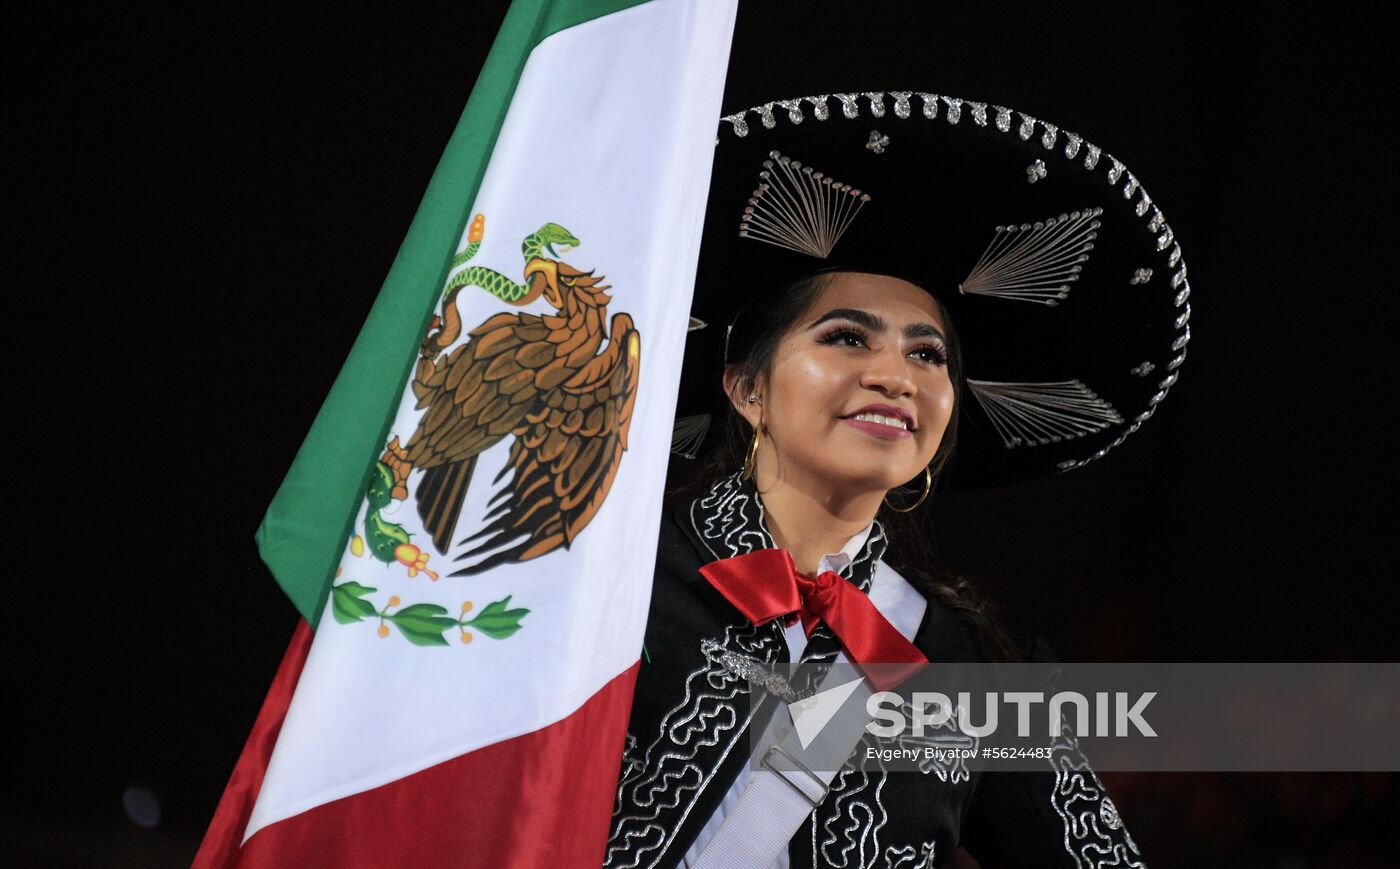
878	468
875	480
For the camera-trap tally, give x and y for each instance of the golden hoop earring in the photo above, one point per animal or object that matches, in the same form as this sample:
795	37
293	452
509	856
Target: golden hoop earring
928	486
751	459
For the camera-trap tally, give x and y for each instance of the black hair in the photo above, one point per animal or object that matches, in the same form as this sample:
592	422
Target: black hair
752	343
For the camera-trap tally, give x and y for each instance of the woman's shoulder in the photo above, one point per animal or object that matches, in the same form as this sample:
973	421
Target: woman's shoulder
959	626
944	636
678	540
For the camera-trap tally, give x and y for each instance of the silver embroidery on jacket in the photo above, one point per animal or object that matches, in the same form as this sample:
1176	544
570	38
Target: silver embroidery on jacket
1094	834
661	784
949	769
847	833
852	817
908	858
667	777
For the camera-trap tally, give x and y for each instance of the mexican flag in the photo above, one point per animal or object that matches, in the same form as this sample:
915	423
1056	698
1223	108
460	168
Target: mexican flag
469	528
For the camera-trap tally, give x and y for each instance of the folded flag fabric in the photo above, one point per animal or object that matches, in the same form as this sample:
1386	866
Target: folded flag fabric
470	526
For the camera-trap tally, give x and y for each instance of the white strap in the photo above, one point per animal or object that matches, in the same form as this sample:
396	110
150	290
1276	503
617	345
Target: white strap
777	802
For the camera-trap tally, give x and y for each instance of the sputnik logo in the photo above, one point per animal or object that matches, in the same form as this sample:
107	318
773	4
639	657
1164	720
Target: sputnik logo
811	714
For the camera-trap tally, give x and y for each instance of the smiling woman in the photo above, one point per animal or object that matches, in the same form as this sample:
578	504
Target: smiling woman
825	389
848	384
851	403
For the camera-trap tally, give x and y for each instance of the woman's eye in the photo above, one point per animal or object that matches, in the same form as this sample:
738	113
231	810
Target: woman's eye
932	355
845	338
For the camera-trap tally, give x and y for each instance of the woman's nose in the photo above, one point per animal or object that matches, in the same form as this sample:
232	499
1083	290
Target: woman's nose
889	372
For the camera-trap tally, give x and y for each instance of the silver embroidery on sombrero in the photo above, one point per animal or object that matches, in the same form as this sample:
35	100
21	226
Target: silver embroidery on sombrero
1036	414
799	208
661	784
1083	155
1094	834
1035	262
688	433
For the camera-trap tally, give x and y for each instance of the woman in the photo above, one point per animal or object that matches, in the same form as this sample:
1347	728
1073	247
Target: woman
848	385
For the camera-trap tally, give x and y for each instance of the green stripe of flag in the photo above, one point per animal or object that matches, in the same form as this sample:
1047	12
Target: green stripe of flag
303	535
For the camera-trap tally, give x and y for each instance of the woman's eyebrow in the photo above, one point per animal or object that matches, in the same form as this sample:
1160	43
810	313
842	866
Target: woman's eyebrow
863	318
876	324
923	330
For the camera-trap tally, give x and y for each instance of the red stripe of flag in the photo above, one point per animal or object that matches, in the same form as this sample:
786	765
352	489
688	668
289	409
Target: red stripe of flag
544	798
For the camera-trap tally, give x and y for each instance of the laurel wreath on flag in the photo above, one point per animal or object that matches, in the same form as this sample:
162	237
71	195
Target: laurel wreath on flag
424	624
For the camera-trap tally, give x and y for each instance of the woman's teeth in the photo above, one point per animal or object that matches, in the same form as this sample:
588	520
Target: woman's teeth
882	420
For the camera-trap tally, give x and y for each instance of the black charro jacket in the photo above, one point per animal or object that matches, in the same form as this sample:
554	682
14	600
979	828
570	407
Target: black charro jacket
688	735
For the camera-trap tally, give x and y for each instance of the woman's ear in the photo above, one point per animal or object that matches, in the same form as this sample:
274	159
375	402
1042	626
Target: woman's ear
739	392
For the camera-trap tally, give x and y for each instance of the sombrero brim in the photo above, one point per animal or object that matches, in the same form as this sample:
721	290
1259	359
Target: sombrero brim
1057	269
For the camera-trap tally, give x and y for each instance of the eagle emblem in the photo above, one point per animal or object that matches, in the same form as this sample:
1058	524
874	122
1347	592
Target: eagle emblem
545	381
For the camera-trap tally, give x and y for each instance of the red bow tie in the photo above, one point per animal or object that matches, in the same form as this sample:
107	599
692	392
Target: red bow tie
764	585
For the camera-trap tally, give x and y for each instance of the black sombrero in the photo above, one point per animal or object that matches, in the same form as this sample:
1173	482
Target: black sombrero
1061	275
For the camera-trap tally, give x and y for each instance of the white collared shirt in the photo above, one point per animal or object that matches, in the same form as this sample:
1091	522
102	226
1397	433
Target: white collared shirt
836	562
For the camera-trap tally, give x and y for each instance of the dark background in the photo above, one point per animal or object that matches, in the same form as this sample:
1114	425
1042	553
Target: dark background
208	201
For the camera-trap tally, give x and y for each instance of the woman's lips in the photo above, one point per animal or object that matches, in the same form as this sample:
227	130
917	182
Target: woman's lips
879	430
